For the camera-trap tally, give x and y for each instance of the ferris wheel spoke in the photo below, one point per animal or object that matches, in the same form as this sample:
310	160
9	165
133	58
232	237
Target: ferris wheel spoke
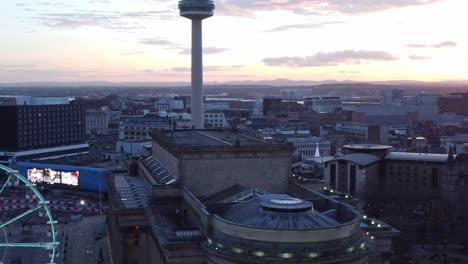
5	184
15	178
46	245
16	218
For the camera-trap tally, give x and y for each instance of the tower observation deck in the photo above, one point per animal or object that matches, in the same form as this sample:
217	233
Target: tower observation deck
197	10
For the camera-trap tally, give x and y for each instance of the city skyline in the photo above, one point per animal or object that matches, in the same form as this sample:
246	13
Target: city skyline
147	41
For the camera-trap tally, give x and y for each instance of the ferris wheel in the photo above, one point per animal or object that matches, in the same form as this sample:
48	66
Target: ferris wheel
22	205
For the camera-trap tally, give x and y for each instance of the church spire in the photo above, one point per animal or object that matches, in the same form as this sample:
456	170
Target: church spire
317	151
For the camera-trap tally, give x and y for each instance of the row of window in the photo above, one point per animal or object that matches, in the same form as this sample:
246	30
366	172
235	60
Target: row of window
68	108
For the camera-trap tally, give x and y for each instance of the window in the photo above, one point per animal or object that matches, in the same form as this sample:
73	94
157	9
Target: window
352	180
435	178
333	176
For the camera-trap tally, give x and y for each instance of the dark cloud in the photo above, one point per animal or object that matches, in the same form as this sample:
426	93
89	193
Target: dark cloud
108	20
158	42
303	26
331	58
206	50
132	53
181	69
178	48
16	66
99	1
209	68
417	57
349	72
445	44
249	7
77	20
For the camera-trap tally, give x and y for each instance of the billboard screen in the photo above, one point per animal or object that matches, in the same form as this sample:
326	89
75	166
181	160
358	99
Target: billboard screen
50	176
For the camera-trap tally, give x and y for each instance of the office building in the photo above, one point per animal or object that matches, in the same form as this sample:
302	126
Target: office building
363	132
215	119
97	122
140	127
307	147
42	127
323	104
271	106
374	173
392	97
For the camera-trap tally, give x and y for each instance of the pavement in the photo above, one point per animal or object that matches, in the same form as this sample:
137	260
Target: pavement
79	243
85	239
431	254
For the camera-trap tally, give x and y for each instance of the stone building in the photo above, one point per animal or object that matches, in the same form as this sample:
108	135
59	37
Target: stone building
386	175
209	196
208	161
97	122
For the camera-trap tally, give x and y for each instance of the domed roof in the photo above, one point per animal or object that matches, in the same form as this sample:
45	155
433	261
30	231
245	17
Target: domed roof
279	211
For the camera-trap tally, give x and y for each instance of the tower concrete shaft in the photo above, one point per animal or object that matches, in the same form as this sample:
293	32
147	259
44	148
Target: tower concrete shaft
197	75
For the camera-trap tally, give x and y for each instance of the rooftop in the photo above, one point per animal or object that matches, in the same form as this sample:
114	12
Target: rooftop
359	158
417	156
198	138
279	211
131	191
368	146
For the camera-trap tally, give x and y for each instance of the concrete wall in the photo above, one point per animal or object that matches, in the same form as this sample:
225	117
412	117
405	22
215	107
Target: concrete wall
288	235
367	178
412	181
217	259
207	173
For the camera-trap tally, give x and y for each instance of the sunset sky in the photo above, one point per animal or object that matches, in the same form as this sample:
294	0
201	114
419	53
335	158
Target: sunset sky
147	40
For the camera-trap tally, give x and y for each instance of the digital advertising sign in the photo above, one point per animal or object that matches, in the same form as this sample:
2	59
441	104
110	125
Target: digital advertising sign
50	176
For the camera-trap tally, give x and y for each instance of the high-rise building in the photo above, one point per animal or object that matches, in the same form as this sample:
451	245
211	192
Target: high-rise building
323	104
392	97
271	105
456	103
197	10
36	127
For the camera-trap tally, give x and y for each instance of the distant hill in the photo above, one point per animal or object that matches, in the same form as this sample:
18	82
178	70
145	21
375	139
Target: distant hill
275	82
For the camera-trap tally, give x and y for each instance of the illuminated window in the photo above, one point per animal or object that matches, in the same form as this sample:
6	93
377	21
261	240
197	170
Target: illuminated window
286	255
237	250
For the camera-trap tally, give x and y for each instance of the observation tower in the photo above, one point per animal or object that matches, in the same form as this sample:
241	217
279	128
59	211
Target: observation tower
197	10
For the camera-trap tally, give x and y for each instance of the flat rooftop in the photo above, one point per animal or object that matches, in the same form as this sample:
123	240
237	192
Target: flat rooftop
201	138
368	146
132	192
407	156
